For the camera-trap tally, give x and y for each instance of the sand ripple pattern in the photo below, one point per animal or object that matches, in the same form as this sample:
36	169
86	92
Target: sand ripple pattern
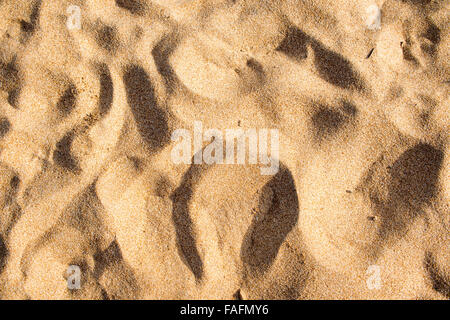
87	114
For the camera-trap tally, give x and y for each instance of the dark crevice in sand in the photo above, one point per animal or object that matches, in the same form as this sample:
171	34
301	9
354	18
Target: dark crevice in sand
14	183
237	295
440	283
294	45
415	175
328	121
252	77
433	33
136	7
11	193
9	76
186	239
62	155
418	2
335	69
102	259
26	26
163	187
10	81
331	66
13	96
151	120
106	37
349	109
161	53
10	208
106	90
68	100
29	27
413	184
258	70
104	295
3	253
269	229
5	126
255	66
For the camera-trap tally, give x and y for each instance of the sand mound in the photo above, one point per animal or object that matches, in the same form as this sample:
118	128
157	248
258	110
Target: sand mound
116	121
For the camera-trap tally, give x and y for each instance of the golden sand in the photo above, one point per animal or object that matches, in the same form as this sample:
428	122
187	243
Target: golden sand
92	91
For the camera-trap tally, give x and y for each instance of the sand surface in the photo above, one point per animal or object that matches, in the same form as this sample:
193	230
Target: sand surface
93	93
